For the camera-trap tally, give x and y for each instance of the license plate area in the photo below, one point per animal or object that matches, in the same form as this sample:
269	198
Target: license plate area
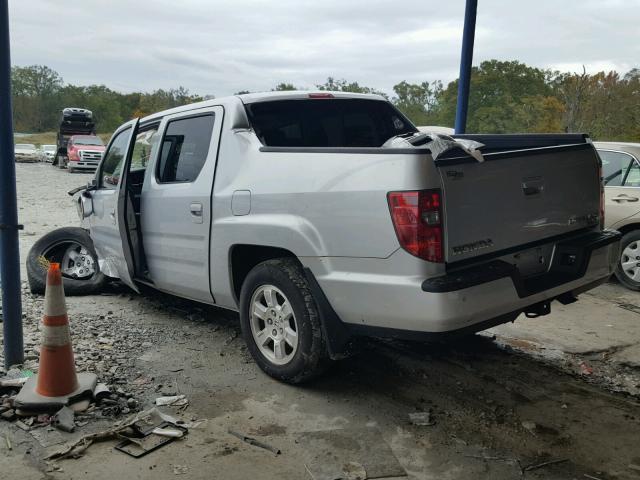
531	262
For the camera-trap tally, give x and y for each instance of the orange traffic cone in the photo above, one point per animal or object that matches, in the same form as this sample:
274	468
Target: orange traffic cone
57	373
56	383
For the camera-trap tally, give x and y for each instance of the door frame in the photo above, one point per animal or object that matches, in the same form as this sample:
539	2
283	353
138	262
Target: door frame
121	208
152	177
124	265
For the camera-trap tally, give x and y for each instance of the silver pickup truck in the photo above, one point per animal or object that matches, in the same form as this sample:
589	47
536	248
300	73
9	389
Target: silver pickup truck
321	216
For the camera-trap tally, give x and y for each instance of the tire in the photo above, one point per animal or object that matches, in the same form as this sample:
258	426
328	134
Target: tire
54	247
630	242
70	169
309	359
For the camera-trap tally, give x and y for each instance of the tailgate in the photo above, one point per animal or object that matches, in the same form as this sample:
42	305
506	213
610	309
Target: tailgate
517	197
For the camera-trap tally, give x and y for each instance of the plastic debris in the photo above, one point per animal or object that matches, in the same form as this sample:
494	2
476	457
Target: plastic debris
254	442
77	448
585	369
13	382
174	400
422	419
101	392
64	420
168	432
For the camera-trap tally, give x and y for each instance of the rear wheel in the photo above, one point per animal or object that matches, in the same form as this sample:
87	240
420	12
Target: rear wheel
628	271
73	249
280	322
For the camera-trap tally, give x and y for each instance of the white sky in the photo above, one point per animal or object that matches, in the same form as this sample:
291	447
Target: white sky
220	47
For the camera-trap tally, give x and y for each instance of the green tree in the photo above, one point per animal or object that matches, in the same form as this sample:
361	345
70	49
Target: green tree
34	97
283	87
605	104
159	100
343	86
419	101
502	94
506	96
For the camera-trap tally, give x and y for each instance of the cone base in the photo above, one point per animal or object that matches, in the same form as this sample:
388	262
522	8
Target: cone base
29	399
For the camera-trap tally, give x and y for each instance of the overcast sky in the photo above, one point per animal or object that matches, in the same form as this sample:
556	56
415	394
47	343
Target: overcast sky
221	47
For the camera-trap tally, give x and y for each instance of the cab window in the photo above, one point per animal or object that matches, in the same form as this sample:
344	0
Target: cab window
111	168
185	147
145	144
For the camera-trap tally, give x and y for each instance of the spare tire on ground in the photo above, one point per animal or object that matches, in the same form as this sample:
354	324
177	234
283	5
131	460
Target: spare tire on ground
73	249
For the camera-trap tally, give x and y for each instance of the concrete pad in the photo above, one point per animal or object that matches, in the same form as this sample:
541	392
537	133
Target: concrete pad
345	453
589	325
629	356
28	399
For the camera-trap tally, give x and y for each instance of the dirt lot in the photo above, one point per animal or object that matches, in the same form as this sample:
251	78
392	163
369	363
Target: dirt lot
551	398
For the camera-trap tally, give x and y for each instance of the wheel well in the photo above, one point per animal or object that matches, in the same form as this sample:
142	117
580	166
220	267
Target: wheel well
628	228
242	258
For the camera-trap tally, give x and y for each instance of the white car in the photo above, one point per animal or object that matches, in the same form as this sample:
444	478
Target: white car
49	152
26	152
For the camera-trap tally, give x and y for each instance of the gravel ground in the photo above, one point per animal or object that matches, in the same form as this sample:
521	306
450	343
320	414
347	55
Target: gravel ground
496	409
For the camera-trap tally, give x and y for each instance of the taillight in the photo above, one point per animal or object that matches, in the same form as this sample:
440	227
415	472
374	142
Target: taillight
417	219
321	95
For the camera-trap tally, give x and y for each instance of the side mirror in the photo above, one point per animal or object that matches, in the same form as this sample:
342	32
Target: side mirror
92	185
84	205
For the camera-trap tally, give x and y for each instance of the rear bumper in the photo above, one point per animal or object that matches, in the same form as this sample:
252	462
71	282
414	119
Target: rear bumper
469	300
82	165
570	262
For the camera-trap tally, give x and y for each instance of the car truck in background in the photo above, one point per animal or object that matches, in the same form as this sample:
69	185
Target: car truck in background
26	152
325	215
73	121
84	152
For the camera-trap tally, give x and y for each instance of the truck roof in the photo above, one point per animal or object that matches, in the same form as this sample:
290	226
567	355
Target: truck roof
303	94
235	103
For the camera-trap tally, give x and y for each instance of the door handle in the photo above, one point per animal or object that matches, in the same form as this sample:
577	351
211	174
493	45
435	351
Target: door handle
196	212
625	198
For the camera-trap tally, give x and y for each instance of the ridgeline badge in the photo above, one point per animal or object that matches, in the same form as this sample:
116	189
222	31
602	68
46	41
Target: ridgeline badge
472	247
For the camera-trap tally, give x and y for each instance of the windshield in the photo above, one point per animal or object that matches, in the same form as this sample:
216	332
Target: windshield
49	148
88	140
327	122
25	146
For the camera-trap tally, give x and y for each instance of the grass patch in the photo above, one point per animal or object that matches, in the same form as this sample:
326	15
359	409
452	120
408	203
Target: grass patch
48	138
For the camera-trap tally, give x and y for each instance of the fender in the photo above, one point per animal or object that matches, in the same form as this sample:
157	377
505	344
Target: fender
292	232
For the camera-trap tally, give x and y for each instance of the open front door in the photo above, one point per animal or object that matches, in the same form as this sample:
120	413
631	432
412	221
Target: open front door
109	222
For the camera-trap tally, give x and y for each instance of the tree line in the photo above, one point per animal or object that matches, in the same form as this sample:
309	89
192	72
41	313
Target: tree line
506	97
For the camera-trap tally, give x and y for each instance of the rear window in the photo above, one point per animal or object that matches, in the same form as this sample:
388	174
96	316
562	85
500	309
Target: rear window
326	122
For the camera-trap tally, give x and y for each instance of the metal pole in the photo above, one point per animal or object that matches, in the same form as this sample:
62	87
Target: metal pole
9	248
466	58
